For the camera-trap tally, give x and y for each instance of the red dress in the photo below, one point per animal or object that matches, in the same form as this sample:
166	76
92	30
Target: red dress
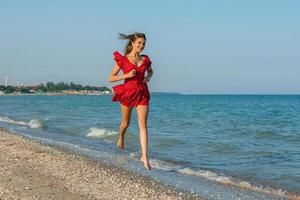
133	91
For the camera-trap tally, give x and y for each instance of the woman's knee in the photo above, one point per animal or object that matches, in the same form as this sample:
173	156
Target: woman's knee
143	125
144	129
125	124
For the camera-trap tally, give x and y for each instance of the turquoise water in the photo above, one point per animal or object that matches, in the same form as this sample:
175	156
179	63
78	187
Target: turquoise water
221	138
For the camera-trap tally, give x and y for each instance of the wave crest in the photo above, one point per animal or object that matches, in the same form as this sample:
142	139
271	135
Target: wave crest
34	123
100	132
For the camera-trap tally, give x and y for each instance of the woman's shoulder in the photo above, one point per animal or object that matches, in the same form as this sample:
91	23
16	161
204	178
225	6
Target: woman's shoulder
118	54
147	58
119	58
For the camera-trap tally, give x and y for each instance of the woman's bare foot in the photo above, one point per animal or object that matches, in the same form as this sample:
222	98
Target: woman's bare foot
146	163
120	144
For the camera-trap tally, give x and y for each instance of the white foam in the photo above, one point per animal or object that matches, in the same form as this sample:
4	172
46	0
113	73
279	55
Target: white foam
34	123
163	165
223	179
206	174
100	132
230	181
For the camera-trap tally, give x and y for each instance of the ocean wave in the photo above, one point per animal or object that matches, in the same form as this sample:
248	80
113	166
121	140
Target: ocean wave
34	123
164	165
228	180
100	133
212	176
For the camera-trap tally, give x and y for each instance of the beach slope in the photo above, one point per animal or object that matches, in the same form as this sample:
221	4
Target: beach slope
31	170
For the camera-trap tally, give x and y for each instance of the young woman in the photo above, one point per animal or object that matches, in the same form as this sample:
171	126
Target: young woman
134	91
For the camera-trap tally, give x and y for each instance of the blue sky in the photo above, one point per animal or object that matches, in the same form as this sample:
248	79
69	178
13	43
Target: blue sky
198	47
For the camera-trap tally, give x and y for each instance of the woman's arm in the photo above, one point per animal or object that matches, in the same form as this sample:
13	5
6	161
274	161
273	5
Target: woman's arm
114	74
149	74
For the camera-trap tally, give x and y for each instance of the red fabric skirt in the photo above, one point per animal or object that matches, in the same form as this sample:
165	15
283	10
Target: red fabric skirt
131	94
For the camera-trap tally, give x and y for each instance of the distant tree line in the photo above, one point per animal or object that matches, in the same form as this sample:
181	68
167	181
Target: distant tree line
10	89
50	87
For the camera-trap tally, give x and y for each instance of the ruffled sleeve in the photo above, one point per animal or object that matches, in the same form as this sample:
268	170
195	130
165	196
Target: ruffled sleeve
149	68
119	59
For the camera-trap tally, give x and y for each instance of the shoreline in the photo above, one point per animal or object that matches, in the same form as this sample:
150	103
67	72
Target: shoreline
31	170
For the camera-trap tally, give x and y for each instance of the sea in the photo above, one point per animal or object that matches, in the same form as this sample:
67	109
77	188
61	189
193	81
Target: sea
215	146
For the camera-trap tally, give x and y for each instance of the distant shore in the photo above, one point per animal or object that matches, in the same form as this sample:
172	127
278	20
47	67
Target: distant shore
51	94
30	170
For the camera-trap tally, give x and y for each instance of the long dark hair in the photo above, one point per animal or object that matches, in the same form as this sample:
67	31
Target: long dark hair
131	37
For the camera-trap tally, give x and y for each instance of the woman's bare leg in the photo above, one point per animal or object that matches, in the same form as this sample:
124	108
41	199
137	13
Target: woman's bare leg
142	112
126	115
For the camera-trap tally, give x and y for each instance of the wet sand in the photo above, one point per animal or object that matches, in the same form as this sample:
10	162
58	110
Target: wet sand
32	170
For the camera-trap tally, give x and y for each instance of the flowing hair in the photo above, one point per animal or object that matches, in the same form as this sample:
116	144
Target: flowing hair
131	37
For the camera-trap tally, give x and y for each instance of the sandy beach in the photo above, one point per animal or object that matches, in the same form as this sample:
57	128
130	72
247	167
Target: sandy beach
31	170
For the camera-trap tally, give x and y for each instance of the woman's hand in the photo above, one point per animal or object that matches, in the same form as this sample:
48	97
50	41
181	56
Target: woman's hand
146	79
131	74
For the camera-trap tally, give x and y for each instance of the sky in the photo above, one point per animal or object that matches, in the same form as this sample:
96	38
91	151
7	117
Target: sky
196	47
